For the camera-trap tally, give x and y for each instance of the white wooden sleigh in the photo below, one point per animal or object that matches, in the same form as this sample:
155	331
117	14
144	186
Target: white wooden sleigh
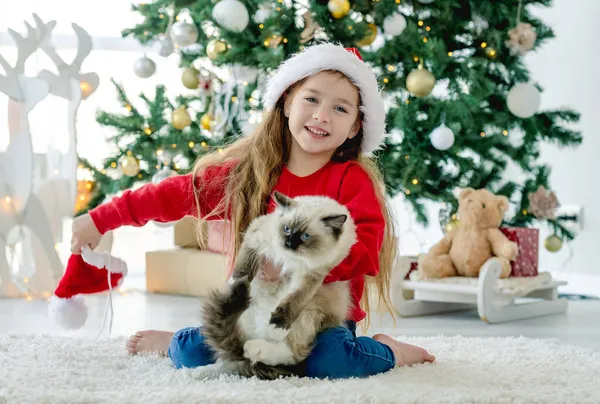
417	298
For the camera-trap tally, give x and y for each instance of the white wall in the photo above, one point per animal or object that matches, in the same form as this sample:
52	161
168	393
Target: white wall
567	68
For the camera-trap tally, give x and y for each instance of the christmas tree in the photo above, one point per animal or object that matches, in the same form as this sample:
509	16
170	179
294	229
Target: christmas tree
461	104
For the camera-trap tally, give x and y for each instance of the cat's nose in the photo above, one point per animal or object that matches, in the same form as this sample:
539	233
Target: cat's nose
291	244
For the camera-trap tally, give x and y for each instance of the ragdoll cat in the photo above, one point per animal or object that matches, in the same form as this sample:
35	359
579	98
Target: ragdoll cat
265	329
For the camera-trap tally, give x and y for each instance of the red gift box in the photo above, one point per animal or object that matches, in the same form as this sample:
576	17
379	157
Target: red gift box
526	263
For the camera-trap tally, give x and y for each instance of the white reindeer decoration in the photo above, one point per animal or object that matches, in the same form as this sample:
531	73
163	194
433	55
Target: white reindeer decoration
36	207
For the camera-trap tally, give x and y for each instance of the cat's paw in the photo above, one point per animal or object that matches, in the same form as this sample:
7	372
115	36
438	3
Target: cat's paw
256	350
203	372
281	318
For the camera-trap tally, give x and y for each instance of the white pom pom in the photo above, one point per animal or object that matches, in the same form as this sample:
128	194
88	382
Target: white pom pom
69	313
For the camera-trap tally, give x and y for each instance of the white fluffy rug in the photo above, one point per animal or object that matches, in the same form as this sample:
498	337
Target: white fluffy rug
40	369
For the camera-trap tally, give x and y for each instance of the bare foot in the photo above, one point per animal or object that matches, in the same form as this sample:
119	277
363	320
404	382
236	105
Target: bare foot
406	355
149	341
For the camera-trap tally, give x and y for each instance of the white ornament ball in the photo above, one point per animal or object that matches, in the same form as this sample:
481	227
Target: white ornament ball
165	45
231	15
163	174
144	67
523	100
442	137
394	24
262	14
183	33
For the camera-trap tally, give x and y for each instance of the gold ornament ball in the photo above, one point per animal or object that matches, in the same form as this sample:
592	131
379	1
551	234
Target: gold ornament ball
215	48
553	243
206	121
181	118
338	8
190	78
370	37
130	166
452	225
420	82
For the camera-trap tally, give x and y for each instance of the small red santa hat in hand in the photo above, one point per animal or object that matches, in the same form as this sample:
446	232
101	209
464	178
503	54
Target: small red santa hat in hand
87	273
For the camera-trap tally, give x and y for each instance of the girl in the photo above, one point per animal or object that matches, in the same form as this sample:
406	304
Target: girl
325	117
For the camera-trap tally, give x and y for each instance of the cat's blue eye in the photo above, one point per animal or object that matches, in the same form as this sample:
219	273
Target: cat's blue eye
286	229
305	237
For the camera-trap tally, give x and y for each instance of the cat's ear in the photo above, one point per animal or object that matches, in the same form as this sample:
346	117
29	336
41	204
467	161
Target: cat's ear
335	221
282	200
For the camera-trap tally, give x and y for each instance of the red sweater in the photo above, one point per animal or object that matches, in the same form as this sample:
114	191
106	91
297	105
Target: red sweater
348	183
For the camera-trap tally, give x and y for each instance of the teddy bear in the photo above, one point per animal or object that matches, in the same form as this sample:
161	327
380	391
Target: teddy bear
466	248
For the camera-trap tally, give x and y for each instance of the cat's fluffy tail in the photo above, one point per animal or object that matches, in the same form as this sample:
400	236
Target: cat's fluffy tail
221	313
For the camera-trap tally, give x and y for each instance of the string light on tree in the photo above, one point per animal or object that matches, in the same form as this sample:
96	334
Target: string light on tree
442	137
491	53
206	121
231	15
523	100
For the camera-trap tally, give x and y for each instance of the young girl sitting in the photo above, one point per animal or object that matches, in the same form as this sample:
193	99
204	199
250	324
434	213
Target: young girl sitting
325	117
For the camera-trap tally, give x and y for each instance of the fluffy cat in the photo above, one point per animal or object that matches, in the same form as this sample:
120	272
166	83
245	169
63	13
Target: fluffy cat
266	329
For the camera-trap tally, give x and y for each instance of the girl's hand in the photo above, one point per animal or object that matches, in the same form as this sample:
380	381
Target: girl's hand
270	272
85	234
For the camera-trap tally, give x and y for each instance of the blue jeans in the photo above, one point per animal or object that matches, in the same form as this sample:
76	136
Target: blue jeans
338	353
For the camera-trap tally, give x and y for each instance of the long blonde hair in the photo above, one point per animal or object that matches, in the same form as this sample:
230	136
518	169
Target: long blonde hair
258	162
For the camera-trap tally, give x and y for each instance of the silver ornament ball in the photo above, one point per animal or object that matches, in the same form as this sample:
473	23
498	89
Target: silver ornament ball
165	46
183	33
144	67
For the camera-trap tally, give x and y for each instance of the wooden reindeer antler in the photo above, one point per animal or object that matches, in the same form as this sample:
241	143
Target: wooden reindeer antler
60	84
10	84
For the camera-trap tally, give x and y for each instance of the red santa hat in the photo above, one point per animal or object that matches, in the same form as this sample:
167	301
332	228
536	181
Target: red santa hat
87	273
328	56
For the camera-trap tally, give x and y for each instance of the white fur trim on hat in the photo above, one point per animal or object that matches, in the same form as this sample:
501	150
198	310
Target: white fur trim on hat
328	56
104	260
